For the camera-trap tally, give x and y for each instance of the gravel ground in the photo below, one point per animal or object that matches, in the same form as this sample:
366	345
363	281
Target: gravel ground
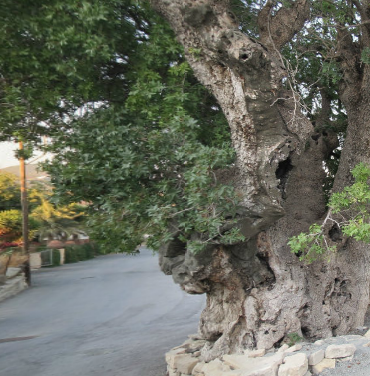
358	366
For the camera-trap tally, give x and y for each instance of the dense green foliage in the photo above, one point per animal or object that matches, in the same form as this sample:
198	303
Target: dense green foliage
151	170
52	56
136	136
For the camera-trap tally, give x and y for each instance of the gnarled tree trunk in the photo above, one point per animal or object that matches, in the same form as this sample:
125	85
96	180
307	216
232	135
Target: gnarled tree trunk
258	291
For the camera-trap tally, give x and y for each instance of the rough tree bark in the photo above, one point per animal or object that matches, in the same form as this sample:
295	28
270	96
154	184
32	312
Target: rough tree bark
258	291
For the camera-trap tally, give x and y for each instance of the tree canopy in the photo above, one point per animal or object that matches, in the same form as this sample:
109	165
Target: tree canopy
112	75
147	160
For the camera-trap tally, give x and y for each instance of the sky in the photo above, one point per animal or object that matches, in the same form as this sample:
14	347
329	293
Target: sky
7	155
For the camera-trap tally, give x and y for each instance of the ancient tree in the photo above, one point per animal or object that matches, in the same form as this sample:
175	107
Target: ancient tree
257	290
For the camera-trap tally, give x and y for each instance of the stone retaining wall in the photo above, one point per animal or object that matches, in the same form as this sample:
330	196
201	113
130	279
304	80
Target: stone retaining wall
15	283
304	359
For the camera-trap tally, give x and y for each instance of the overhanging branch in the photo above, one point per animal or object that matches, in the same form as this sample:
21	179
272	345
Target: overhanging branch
278	29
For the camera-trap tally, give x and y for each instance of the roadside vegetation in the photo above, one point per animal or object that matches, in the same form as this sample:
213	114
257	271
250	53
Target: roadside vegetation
47	221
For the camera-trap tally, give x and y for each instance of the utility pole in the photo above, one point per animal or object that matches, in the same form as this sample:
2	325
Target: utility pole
24	201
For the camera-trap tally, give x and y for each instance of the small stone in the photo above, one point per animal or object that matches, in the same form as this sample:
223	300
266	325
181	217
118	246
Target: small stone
283	348
351	337
294	348
255	353
319	342
184	363
339	351
362	329
217	368
346	359
366	344
324	364
316	357
195	346
195	337
367	334
179	347
171	372
295	365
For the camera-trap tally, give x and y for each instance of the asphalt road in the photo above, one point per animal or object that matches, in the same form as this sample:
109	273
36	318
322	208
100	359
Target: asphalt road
114	315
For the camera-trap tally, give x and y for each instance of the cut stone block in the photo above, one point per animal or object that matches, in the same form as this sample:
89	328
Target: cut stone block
316	357
12	272
170	356
255	353
367	334
294	348
184	363
339	351
295	365
264	366
324	364
198	369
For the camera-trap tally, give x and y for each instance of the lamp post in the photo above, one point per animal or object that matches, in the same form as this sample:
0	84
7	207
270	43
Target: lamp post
24	202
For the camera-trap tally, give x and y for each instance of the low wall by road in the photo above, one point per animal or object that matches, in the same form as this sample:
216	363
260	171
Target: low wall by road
15	283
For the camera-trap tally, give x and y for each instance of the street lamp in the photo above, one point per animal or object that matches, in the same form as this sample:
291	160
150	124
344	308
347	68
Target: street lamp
24	202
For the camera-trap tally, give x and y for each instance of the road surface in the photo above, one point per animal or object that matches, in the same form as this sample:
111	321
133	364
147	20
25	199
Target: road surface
114	315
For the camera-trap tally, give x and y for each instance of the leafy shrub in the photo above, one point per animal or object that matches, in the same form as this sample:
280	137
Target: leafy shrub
294	338
89	251
11	222
70	255
56	257
80	252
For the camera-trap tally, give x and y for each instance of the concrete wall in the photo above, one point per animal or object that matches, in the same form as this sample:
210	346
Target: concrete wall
35	260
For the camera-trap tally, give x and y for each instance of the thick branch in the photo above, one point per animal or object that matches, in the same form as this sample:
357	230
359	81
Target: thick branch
277	30
245	78
350	63
363	9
